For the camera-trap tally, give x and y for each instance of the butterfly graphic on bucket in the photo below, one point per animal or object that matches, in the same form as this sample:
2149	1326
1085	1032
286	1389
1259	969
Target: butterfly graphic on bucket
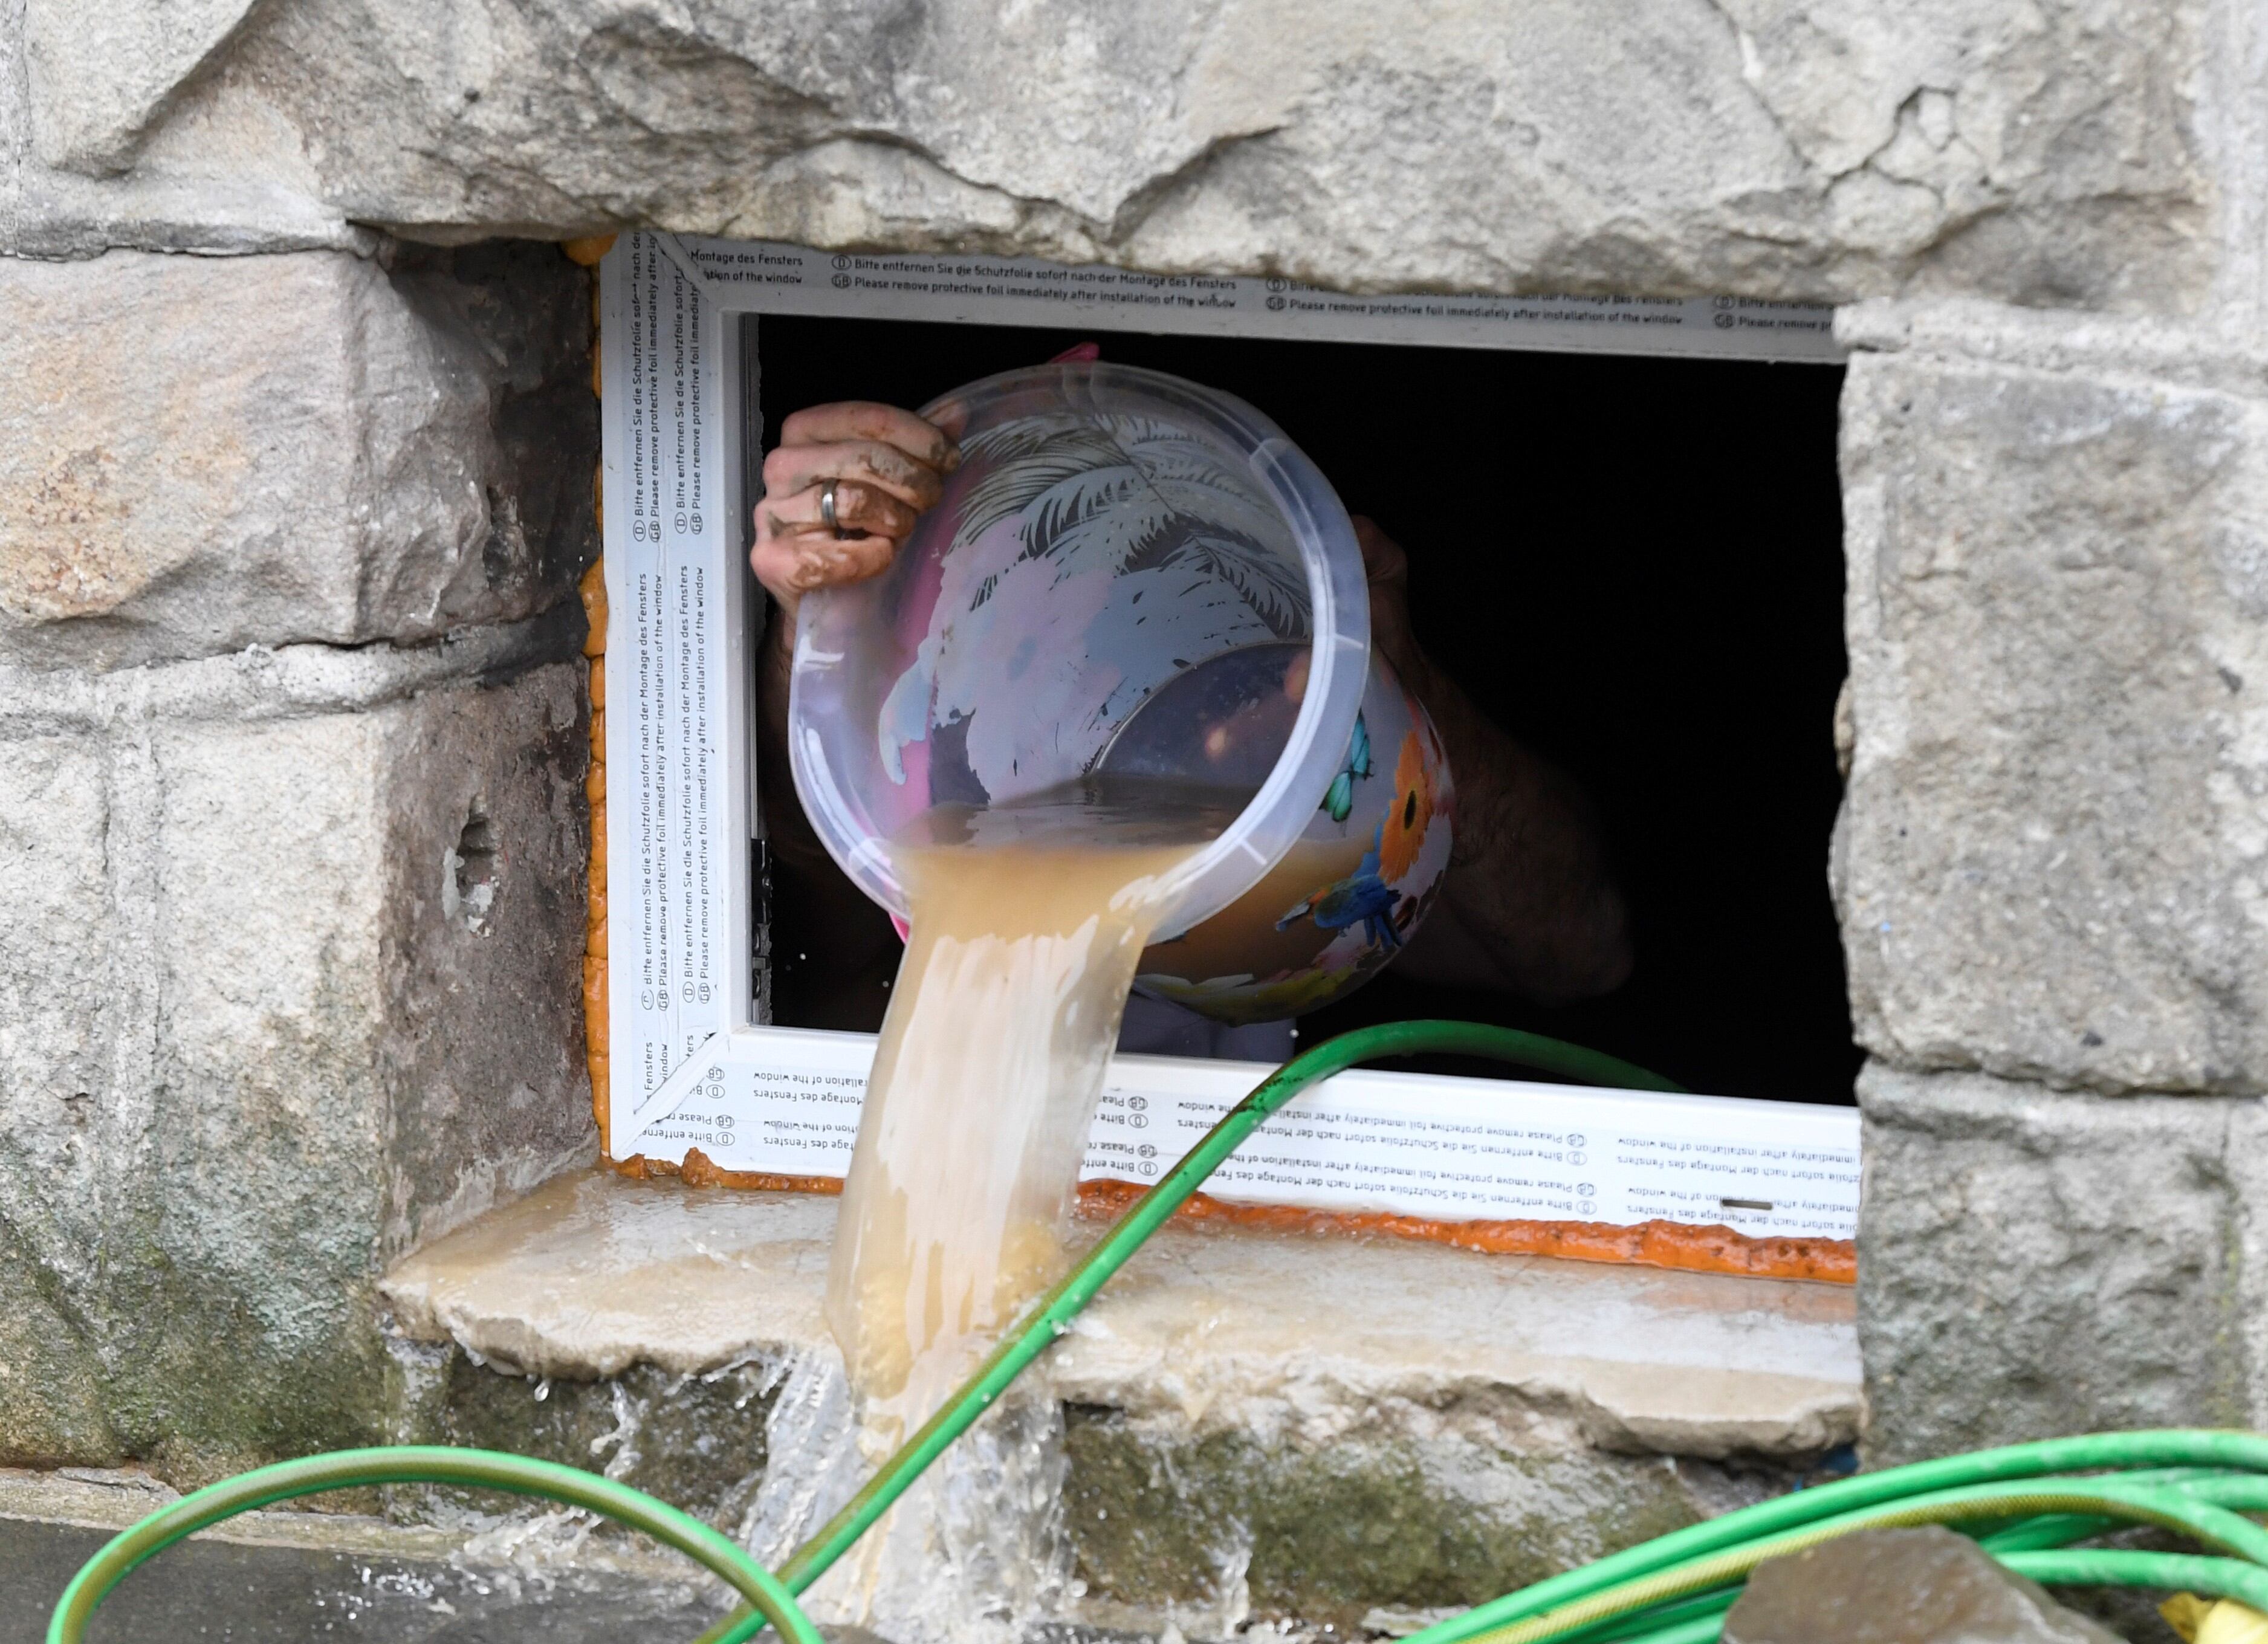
1346	897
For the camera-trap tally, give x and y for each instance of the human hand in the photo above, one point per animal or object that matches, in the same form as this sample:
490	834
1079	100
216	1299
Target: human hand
885	467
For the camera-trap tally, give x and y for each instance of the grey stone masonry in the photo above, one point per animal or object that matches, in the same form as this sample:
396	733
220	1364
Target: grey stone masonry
2035	1262
2053	861
290	943
2069	154
197	454
2052	868
292	830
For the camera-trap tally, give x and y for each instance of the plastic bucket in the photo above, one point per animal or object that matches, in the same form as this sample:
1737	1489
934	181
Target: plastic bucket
1110	531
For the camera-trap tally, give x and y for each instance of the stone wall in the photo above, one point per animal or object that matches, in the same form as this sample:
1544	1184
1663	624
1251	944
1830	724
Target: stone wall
291	827
2052	868
2051	220
206	454
2064	153
2041	1262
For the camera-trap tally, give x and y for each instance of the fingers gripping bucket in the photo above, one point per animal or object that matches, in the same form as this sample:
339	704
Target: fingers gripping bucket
1109	531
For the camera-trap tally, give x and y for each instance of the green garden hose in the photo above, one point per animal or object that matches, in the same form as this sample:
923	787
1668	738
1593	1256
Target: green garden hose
2023	1502
2215	1527
2017	1480
425	1463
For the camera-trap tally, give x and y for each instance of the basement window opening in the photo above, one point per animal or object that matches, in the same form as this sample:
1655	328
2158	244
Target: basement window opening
1632	566
1629	562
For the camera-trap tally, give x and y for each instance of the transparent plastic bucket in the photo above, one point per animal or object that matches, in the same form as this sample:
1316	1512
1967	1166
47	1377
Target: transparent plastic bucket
1109	531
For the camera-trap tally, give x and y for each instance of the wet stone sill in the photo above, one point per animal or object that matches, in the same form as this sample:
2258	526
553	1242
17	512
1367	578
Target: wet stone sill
1278	1339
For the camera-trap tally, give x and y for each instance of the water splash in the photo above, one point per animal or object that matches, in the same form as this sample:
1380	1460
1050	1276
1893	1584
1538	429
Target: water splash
812	1463
976	1553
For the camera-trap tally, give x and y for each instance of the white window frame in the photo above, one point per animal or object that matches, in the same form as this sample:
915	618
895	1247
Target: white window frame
690	1065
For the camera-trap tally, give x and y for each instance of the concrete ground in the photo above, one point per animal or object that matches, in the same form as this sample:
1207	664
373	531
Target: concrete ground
280	1576
231	1593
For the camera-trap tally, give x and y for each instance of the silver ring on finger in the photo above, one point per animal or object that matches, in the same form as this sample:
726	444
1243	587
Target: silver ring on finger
827	508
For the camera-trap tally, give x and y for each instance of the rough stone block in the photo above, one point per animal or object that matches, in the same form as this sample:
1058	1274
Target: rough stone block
1846	149
1921	1586
288	952
697	1442
1227	1522
142	55
2053	858
197	454
59	1023
2034	1263
225	177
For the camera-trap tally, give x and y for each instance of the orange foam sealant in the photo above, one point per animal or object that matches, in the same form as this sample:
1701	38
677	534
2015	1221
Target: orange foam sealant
1687	1247
586	253
1679	1246
699	1170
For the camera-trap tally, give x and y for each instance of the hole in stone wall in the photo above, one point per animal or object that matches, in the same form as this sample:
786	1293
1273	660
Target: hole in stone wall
1634	565
469	888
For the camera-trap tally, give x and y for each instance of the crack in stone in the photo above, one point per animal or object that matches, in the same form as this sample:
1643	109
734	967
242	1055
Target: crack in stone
289	681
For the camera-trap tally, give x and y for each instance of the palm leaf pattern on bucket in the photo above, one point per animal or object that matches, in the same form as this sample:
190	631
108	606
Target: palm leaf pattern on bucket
1112	494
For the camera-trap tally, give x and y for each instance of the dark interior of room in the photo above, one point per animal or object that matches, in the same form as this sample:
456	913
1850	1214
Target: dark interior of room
1634	565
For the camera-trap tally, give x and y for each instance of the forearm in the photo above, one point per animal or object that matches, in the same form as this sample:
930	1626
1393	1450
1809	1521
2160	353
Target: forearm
1530	904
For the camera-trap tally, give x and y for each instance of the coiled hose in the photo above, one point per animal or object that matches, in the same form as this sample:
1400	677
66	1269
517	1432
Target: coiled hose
1671	1590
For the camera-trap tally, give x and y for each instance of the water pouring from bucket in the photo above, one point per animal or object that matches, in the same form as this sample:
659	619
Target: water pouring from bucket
1118	677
